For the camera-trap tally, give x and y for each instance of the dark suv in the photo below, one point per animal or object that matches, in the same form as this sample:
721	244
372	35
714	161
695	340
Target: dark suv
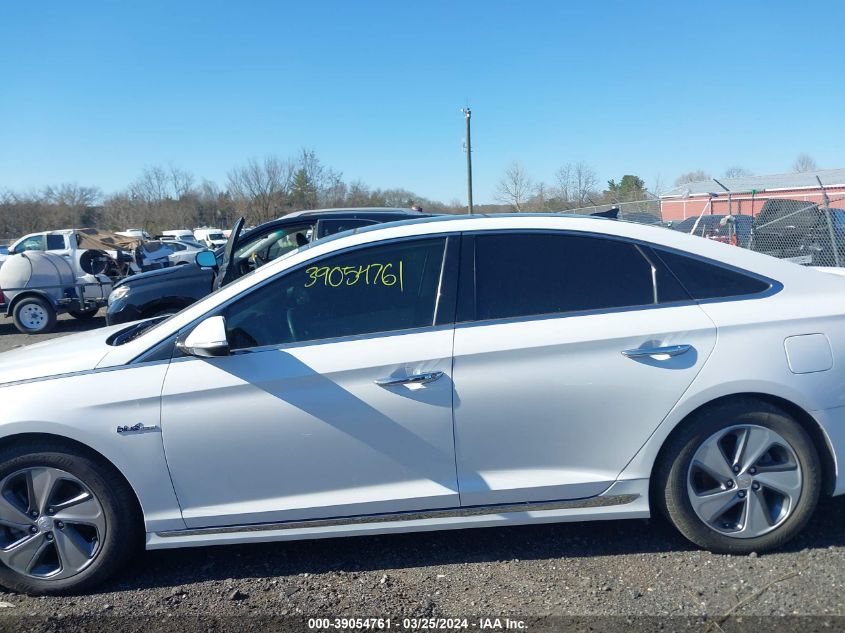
170	290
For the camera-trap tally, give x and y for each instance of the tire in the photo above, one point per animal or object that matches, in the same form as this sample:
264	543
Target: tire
83	315
34	315
114	532
710	503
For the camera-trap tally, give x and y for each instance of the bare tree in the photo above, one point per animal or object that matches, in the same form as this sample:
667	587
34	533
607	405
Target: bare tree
804	163
564	183
737	172
515	187
657	186
541	199
167	197
692	176
181	182
74	204
161	197
585	181
151	186
72	195
261	188
577	183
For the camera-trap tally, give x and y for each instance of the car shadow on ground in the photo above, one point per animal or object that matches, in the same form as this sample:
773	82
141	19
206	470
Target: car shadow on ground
481	545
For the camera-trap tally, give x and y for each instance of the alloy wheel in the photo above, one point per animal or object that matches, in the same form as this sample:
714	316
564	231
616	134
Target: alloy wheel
744	481
51	524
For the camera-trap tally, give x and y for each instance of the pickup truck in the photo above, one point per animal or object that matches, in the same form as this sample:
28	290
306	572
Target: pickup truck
72	245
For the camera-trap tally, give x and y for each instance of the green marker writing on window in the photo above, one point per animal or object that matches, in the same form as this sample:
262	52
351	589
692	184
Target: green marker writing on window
375	274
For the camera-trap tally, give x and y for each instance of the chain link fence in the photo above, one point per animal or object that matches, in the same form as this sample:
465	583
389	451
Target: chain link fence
803	232
639	211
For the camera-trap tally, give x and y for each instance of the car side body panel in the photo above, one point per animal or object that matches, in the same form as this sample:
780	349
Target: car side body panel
550	408
305	432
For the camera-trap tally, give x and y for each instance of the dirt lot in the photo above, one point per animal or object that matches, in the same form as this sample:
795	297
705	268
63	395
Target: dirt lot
10	338
617	567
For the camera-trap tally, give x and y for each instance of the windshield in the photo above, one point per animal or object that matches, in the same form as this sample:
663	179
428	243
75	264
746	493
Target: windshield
215	236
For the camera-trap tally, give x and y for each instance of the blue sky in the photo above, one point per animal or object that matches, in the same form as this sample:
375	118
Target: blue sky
94	92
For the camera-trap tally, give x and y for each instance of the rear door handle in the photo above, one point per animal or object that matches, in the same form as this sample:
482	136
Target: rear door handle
657	353
416	379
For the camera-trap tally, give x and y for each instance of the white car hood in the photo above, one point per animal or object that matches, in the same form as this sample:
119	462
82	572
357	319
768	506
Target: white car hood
69	354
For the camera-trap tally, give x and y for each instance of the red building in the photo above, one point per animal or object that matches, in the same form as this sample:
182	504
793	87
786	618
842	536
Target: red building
748	194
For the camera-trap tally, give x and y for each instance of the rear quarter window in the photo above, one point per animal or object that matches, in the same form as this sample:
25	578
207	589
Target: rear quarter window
706	280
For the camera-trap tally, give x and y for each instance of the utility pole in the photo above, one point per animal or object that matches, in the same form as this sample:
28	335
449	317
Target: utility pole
467	115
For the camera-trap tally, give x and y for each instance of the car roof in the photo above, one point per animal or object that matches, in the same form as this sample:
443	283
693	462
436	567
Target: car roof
346	211
652	234
364	213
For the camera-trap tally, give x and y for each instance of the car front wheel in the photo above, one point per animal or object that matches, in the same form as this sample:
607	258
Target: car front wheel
741	477
67	521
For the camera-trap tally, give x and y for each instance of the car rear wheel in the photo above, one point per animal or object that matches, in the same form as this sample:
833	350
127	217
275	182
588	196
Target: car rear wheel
34	315
67	521
741	477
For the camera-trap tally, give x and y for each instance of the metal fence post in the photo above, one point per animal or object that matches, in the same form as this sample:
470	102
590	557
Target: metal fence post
826	208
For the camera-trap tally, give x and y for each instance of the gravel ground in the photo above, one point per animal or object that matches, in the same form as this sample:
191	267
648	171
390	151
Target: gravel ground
10	338
625	568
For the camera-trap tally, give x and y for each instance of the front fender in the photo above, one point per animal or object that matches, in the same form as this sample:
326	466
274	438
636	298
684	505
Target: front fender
87	407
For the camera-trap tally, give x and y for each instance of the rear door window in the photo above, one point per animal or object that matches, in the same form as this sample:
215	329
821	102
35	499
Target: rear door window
524	274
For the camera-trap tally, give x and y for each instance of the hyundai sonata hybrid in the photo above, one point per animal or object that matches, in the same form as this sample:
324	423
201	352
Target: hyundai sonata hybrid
434	374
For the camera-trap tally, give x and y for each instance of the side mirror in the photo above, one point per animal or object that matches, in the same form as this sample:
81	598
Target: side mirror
206	259
206	340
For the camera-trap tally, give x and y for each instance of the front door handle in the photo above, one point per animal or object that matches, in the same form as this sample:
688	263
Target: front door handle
416	379
657	353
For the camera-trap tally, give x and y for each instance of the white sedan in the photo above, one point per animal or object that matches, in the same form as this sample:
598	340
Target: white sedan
434	374
183	251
